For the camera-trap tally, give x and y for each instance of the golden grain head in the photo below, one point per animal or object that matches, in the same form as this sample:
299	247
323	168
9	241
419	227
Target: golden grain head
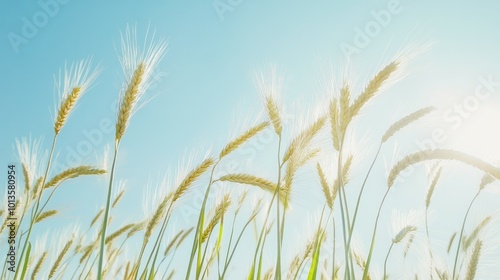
192	176
405	121
334	124
441	154
139	66
474	261
372	88
269	86
240	140
71	87
74	172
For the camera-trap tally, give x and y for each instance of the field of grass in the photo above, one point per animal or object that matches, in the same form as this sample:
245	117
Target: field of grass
234	234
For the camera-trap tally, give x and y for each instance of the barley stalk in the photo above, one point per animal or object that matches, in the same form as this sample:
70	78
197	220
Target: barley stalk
274	116
96	218
172	242
444	155
129	100
334	123
252	180
220	210
344	108
26	178
450	242
45	215
118	233
405	121
474	261
155	219
65	109
192	177
403	233
486	180
372	88
430	192
73	173
304	138
118	198
59	259
233	145
468	241
324	186
38	265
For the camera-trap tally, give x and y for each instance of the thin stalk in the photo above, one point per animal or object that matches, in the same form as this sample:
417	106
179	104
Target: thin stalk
372	245
278	224
35	209
106	213
342	211
351	228
386	258
226	266
429	241
462	233
202	213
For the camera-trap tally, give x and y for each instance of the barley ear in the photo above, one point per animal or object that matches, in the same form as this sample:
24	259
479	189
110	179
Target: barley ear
129	100
325	186
345	111
467	242
405	121
372	88
442	154
274	116
118	233
403	233
155	219
430	192
45	215
302	140
233	145
59	259
118	198
220	210
486	180
192	177
474	261
334	123
450	242
73	173
26	178
38	265
65	109
252	180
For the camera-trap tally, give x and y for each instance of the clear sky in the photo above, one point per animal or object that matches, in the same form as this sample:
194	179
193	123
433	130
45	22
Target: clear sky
206	91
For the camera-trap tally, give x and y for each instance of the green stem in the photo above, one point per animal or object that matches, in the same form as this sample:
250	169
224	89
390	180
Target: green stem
34	210
106	213
351	228
202	213
462	233
278	224
372	245
385	262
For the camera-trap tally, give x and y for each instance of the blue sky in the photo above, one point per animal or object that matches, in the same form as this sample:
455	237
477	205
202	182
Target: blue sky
206	88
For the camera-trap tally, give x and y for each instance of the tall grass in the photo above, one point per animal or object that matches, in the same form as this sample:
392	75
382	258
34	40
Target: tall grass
235	237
